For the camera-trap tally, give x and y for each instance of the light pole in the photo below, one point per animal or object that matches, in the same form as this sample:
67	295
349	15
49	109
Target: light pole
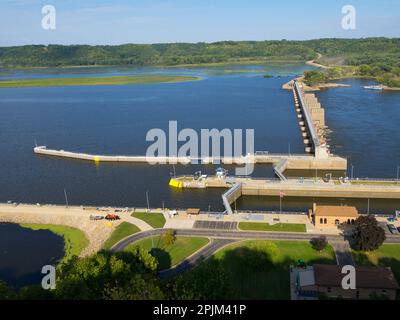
368	207
397	175
66	198
352	171
147	199
163	207
289	149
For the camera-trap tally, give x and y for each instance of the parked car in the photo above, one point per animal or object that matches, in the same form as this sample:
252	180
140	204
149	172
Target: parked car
391	219
96	217
392	229
111	216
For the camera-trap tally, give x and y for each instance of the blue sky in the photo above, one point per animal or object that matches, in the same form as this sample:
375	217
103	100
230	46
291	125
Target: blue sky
155	21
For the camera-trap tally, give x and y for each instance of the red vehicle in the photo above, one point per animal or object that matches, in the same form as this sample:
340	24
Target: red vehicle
111	216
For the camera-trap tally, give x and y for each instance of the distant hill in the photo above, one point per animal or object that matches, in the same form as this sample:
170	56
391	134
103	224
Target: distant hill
344	51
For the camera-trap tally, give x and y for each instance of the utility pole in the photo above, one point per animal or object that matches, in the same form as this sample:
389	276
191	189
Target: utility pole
147	199
398	171
352	171
163	207
289	149
368	207
66	198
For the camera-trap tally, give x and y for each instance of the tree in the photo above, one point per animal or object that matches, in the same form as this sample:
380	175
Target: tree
6	293
319	243
123	275
208	281
365	70
168	238
312	78
367	234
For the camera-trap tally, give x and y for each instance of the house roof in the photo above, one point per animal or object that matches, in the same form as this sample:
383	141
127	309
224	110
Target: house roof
193	211
336	211
366	277
306	278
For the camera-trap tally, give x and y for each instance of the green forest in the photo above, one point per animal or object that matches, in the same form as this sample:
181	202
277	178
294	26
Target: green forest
369	51
369	57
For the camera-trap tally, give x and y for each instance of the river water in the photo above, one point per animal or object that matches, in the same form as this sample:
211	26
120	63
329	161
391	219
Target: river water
115	120
23	253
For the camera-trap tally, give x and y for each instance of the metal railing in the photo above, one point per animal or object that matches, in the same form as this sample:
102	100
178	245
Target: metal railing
310	125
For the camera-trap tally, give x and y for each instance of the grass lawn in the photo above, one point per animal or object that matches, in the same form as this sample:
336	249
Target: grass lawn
259	269
121	231
171	255
93	81
74	239
388	255
284	227
156	220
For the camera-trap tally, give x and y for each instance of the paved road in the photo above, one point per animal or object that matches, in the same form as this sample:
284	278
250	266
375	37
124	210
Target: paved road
201	255
238	235
342	252
223	234
220	238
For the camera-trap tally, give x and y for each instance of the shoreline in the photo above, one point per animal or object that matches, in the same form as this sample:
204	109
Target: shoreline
96	232
206	64
75	240
94	81
335	85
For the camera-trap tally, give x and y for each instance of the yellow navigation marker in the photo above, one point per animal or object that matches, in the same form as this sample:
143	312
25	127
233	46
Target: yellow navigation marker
109	224
96	159
175	183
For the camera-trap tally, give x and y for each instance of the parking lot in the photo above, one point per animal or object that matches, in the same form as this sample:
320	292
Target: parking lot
215	225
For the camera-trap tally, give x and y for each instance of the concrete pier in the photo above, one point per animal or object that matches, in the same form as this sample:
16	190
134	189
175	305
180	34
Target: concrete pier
311	121
293	162
363	189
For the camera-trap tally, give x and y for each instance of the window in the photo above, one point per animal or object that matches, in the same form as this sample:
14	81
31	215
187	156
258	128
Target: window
321	221
348	221
329	289
337	222
325	221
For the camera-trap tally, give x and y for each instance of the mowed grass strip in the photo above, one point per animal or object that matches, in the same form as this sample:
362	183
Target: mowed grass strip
123	230
283	227
387	255
156	220
93	81
74	239
170	255
259	269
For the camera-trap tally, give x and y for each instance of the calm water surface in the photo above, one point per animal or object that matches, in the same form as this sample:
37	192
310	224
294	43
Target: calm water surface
115	120
23	253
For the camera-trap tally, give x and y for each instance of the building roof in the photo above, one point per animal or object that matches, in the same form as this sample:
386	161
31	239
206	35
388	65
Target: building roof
193	211
306	278
336	211
366	277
